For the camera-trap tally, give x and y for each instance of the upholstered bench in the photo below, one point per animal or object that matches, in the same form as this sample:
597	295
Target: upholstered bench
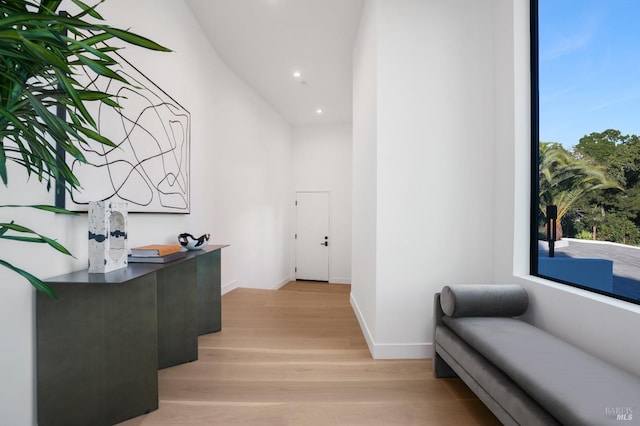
524	375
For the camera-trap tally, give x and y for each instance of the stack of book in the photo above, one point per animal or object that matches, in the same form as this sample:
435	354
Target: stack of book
156	253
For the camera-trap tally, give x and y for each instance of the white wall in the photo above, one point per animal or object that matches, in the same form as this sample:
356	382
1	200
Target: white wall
365	133
602	326
434	159
442	95
321	161
241	186
241	147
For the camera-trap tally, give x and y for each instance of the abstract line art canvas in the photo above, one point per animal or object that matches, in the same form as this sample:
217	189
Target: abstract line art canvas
149	167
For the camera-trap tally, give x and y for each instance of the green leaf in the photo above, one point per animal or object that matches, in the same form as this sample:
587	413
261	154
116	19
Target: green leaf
21	239
88	10
97	137
89	41
43	54
92	95
87	45
15	227
31	19
3	165
99	68
52	209
42	239
135	39
73	94
49	6
14	119
56	245
35	281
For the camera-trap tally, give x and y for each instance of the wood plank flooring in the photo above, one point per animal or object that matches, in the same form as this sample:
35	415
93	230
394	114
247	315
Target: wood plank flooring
296	356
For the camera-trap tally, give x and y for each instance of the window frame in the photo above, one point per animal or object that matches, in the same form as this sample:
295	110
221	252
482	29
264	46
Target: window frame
535	156
535	135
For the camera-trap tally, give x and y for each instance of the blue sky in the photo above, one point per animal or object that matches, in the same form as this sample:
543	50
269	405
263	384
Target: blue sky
589	68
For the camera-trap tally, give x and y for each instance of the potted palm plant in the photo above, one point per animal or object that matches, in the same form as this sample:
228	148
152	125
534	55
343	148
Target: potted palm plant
43	113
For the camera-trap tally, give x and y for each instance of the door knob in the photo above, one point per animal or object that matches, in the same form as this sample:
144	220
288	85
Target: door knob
326	243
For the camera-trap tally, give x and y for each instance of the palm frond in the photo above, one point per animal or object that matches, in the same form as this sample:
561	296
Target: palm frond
42	54
565	179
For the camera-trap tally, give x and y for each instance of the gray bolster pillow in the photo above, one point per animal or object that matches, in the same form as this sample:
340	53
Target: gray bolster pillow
484	300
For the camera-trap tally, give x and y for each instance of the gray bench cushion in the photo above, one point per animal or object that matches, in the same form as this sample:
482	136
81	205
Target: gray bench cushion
504	397
484	300
575	387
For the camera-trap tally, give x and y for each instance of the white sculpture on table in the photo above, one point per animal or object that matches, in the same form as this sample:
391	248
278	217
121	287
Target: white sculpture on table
107	236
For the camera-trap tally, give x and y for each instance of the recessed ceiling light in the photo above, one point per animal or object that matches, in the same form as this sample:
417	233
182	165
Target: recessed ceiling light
297	74
319	111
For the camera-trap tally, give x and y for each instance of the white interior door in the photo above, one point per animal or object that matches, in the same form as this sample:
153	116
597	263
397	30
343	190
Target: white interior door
312	236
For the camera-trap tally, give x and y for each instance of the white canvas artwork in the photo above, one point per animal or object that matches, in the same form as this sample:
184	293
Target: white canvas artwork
149	167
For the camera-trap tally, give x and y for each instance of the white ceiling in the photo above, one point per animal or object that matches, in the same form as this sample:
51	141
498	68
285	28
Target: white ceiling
265	41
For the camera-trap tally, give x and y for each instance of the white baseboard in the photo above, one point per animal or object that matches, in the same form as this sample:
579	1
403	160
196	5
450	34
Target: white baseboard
363	324
403	351
229	287
233	285
338	280
390	350
282	283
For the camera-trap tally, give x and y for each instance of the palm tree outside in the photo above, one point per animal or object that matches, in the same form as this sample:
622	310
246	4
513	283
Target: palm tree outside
565	180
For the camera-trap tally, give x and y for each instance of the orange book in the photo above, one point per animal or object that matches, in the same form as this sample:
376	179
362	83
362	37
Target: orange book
155	250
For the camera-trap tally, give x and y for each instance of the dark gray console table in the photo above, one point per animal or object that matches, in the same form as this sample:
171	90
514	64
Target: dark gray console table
100	344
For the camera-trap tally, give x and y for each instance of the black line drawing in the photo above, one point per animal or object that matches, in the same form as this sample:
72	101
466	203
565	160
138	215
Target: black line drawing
149	167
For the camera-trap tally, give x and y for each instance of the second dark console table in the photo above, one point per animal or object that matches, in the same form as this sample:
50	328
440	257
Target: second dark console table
100	344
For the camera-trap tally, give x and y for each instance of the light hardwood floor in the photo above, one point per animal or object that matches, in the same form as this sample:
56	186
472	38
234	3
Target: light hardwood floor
297	356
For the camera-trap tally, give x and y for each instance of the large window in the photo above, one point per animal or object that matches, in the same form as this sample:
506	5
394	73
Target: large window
586	137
